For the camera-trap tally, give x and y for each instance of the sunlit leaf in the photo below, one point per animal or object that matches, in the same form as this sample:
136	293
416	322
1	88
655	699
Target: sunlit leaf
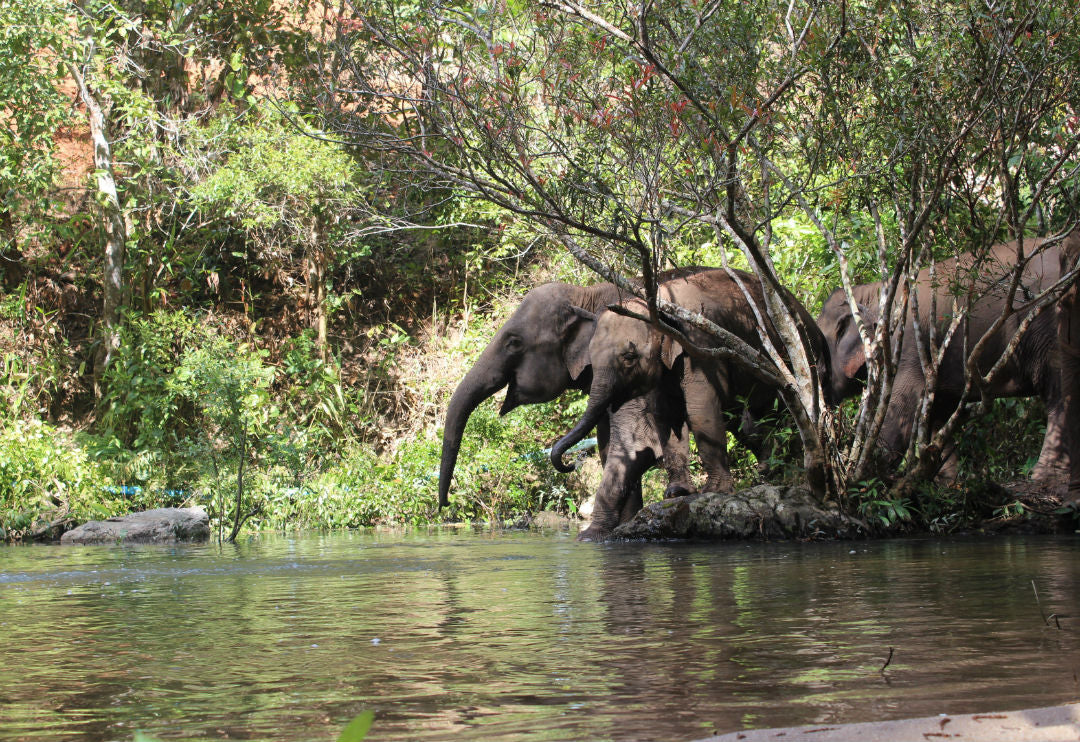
357	729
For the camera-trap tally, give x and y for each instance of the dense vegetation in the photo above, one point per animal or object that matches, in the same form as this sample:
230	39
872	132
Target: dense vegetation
247	252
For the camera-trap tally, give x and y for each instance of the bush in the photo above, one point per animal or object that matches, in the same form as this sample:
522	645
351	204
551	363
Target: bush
46	480
143	420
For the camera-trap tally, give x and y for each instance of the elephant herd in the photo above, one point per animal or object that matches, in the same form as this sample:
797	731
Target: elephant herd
646	393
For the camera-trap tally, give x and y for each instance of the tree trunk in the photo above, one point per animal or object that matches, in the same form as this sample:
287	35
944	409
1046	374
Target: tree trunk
320	303
318	257
238	518
11	258
114	226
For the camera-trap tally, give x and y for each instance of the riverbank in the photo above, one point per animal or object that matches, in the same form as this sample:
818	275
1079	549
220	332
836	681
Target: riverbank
776	513
1050	724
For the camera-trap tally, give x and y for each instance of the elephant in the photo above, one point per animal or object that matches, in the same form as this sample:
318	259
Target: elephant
635	365
1068	328
540	352
1032	371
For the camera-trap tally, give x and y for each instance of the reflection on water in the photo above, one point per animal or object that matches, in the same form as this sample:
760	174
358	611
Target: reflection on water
523	636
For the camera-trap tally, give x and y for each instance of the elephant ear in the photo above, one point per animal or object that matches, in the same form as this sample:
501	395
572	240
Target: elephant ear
577	332
670	348
855	362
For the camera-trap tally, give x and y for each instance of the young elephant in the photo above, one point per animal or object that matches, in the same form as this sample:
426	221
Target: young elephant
633	364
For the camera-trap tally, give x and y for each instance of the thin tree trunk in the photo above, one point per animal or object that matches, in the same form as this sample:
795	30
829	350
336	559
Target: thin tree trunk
11	257
114	226
238	518
317	288
320	303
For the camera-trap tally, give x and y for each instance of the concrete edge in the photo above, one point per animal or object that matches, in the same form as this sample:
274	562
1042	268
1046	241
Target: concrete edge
1049	724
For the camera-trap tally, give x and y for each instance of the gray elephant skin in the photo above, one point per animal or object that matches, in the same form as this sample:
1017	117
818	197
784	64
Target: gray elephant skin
1032	371
540	352
630	359
1068	311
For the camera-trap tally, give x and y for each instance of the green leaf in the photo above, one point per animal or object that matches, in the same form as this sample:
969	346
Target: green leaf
358	728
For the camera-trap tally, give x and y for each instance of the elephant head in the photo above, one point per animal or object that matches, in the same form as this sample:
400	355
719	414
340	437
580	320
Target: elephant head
847	364
629	358
539	353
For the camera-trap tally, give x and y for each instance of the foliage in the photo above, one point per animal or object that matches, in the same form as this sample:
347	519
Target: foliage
278	185
357	729
34	106
502	475
228	384
34	356
139	408
47	478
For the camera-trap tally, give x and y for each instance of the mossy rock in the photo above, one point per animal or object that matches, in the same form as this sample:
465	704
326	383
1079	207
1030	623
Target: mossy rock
761	513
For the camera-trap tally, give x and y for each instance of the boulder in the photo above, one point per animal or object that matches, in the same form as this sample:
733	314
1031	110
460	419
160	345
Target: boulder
760	513
160	526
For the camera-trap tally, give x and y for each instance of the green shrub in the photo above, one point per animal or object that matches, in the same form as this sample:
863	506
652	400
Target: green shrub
143	419
46	477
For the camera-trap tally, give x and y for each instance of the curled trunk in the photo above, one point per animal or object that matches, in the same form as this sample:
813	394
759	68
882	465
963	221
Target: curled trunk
599	400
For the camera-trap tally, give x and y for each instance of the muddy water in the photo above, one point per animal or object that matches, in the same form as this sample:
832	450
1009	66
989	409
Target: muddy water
518	636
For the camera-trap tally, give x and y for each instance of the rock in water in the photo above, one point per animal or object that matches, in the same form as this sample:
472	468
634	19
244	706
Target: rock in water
160	526
763	512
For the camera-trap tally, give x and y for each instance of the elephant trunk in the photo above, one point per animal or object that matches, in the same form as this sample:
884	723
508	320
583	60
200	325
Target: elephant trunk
599	400
483	380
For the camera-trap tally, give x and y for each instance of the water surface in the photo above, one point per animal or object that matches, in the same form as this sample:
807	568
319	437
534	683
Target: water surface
522	636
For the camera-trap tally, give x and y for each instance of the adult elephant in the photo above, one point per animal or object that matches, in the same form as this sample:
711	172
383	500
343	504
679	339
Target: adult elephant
1032	370
541	351
1068	319
636	366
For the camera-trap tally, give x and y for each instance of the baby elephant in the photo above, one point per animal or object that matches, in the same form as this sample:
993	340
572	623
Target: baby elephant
631	359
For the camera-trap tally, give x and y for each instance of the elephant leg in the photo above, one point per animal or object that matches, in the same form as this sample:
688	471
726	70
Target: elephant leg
632	449
669	420
1053	464
751	436
950	465
897	426
633	503
704	410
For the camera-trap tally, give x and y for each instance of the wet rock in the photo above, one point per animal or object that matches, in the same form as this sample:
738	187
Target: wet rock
160	526
545	520
763	512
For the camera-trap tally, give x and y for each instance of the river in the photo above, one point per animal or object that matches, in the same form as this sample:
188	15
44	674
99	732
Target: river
469	635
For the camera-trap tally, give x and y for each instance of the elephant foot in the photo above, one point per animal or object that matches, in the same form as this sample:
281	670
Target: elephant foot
678	490
594	534
1054	474
724	485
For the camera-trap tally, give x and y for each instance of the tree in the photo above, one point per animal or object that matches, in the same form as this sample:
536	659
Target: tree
290	193
228	385
904	134
34	110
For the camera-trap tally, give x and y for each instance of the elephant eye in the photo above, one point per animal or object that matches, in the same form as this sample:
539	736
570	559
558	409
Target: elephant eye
629	357
513	344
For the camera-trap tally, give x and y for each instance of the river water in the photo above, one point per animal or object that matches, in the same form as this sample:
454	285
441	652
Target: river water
523	636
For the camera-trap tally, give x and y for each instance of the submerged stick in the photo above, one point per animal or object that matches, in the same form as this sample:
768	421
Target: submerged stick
887	661
1045	618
